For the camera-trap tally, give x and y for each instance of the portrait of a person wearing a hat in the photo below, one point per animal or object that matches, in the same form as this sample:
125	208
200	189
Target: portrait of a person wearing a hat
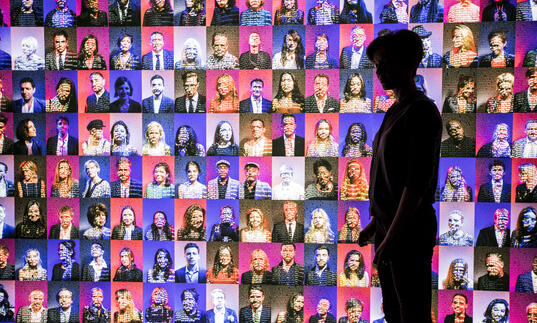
96	145
430	59
223	186
252	188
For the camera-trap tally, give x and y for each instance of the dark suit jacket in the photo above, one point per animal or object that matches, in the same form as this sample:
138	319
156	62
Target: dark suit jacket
38	16
147	60
8	231
6	104
135	188
54	315
486	283
20	148
137	233
70	62
55	232
299	274
246	277
524	283
486	195
57	272
329	318
509	9
331	277
7	148
487	238
8	273
229	312
246	315
181	272
331	105
133	10
133	106
279	232
521	102
88	273
529	58
523	11
102	106
450	318
278	146
39	105
5	60
72	145
180	104
346	59
486	60
166	105
246	106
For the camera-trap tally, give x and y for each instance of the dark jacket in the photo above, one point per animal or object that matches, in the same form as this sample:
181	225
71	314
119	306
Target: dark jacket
278	270
8	231
166	105
280	234
70	62
72	145
487	238
39	105
7	148
487	195
181	273
124	275
485	60
531	56
246	315
8	272
246	106
521	102
331	105
137	233
262	61
524	283
508	9
345	59
103	105
134	107
316	318
20	148
434	15
133	14
246	277
135	189
450	318
54	315
180	104
147	60
313	280
38	16
485	282
55	232
57	272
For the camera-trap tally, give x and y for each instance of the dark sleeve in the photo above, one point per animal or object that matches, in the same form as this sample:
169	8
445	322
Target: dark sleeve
424	127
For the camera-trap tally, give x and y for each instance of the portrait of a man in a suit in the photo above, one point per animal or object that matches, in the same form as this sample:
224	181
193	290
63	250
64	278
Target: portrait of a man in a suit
353	56
191	273
321	101
289	144
35	312
522	98
64	297
66	229
192	101
99	101
124	13
61	58
256	297
497	189
498	234
158	58
524	282
158	102
219	302
8	231
28	103
125	186
62	144
256	103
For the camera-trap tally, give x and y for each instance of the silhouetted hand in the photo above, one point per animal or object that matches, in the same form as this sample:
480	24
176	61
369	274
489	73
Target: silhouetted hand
366	234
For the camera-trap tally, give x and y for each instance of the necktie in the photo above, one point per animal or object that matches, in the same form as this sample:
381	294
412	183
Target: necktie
60	62
190	105
157	67
290	231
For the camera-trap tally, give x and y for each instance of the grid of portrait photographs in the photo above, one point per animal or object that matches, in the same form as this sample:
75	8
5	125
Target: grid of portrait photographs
208	162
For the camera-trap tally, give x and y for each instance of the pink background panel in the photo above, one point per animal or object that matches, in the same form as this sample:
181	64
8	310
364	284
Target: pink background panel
333	86
84	89
115	259
167	32
117	204
344	249
246	76
311	121
136	290
149	165
265	168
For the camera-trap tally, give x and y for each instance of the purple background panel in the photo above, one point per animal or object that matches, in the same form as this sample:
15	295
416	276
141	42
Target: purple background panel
312	296
486	124
9	287
467	165
178	289
51	123
482	300
24	288
467	210
213	212
39	80
212	170
8	160
444	302
277	130
85	89
484	215
525	40
54	204
486	27
85	294
265	33
332	31
346	293
521	83
150	249
136	168
482	172
211	82
194	120
333	76
521	260
271	249
151	206
104	165
363	208
247	76
85	251
214	119
135	77
371	123
433	84
5	34
447	254
369	4
265	168
180	169
102	40
53	258
517	306
117	205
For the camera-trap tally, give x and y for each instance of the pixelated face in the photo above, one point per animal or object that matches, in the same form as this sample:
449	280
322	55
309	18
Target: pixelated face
160	174
91	170
27	4
256	298
65	219
426	41
191	52
256	89
60	43
3	258
62	126
321	44
290	211
32	258
90	46
355	86
159	296
290	43
226	215
459	305
256	220
219	300
498	312
352	218
33	213
356	134
532	313
191	86
288	253
64	253
93	5
225	257
323	131
354	171
27	49
63	91
97	83
124	172
125	258
220	45
159	4
27	91
528	221
323	307
494	265
531	131
252	173
318	220
189	302
289	126
32	132
65	299
258	262
159	220
64	170
357	37
323	176
162	259
455	178
124	91
125	44
120	133
197	219
36	300
497	172
298	304
226	132
192	256
286	175
354	262
468	90
122	302
157	86
458	271
128	217
320	85
96	251
61	3
287	84
97	133
157	42
257	129
154	136
454	222
289	4
100	219
505	89
496	45
532	82
501	220
255	4
223	171
222	3
192	173
254	40
458	39
354	313
525	174
97	298
321	257
223	86
189	3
